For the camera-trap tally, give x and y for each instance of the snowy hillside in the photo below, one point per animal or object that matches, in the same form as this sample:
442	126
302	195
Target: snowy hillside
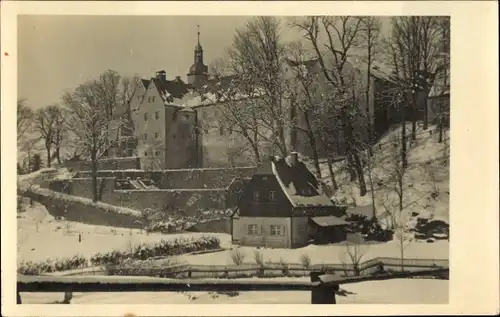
425	181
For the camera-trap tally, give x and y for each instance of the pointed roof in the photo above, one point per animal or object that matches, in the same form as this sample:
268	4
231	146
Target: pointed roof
175	88
300	186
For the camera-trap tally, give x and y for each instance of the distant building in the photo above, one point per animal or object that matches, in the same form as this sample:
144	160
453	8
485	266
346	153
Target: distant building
172	124
283	206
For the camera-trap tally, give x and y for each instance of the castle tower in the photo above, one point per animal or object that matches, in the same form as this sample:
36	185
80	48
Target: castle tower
198	72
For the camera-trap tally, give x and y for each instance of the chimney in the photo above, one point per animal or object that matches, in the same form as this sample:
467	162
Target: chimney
161	75
294	158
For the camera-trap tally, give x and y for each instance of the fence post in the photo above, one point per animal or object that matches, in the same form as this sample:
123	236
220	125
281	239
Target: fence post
67	297
322	293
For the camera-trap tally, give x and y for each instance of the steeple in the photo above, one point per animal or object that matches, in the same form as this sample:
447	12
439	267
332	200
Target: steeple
198	46
198	72
198	50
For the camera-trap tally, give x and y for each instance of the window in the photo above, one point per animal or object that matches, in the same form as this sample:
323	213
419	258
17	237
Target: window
306	191
157	135
272	195
157	115
173	136
153	99
138	97
145	136
256	196
276	230
146	116
145	153
157	153
253	230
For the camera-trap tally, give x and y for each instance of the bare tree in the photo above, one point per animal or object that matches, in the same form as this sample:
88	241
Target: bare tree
60	132
91	109
415	42
237	100
259	55
342	35
304	92
24	118
46	124
370	33
396	171
369	165
354	252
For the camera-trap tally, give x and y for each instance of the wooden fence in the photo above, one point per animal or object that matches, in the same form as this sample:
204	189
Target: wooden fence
322	286
368	267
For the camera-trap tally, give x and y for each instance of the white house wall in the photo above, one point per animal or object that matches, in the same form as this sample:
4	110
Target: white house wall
263	238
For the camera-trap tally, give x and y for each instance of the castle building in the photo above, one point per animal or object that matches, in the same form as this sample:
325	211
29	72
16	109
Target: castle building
176	125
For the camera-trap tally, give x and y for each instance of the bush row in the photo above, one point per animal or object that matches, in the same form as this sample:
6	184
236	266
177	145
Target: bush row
163	248
52	265
140	252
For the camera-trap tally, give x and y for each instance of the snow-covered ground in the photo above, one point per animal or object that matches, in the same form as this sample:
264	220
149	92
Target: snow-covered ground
396	291
427	172
52	240
40	236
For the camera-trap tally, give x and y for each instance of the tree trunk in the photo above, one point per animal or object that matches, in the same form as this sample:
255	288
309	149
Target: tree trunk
441	123
256	153
404	161
48	156
94	177
368	115
312	140
402	251
350	168
58	155
332	175
414	117
361	176
372	189
426	114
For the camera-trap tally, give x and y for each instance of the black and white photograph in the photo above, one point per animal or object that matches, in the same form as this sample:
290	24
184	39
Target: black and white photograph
228	159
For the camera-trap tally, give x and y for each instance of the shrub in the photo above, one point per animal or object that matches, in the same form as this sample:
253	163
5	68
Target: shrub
258	257
284	266
237	256
49	265
114	258
305	260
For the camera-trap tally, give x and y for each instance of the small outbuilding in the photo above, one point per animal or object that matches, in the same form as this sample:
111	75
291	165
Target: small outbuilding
281	206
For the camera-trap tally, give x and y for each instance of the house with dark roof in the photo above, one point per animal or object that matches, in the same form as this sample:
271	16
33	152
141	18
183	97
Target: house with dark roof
283	206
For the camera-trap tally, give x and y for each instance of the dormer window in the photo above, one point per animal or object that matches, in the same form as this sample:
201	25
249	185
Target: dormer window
272	195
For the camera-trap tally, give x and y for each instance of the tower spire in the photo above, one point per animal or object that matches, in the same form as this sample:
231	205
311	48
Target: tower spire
198	34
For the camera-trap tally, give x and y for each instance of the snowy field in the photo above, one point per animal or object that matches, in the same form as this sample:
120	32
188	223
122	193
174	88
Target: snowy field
59	239
40	236
397	291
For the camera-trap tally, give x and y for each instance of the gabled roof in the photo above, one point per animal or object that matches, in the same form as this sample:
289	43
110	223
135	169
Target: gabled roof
174	88
299	185
145	82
